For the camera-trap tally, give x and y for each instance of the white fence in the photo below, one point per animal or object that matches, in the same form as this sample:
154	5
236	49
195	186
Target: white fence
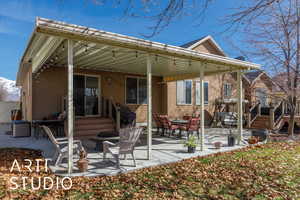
5	110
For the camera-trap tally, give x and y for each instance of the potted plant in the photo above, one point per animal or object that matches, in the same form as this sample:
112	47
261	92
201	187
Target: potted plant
82	163
218	145
191	144
253	140
231	139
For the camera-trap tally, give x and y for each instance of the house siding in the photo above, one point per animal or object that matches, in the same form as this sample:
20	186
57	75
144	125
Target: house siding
51	86
215	91
262	82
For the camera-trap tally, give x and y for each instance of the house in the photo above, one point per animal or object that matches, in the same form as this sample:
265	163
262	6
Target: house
182	97
70	66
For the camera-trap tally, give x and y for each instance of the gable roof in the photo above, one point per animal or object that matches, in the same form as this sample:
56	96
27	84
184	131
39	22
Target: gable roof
253	75
187	45
192	44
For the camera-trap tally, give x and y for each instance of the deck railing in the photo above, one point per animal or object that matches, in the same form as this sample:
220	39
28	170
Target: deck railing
112	110
254	112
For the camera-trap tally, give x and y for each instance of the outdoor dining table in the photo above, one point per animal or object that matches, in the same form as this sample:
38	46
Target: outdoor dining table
180	122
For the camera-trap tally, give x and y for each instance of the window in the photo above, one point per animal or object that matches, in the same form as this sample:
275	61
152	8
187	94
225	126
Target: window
198	93
184	92
227	90
136	90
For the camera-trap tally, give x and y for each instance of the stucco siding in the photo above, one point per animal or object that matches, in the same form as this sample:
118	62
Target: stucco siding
51	86
215	91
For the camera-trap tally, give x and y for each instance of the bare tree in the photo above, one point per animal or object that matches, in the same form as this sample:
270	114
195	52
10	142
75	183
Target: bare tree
274	39
163	13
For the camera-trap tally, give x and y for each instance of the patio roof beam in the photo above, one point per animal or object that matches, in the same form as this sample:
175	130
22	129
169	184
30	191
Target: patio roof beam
64	56
76	32
97	58
45	52
240	106
149	107
107	59
89	55
70	106
202	68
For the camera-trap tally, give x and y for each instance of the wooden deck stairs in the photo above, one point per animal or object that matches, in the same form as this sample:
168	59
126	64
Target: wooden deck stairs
261	122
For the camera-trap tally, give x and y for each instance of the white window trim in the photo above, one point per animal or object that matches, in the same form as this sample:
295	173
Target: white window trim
228	84
205	102
138	88
185	104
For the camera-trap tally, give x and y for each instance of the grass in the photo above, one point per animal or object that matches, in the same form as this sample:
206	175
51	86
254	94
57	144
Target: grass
270	171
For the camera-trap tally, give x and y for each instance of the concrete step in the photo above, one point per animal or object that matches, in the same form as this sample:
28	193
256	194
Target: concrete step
93	121
94	126
91	133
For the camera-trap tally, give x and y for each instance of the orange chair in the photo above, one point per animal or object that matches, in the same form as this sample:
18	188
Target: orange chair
158	122
192	126
168	126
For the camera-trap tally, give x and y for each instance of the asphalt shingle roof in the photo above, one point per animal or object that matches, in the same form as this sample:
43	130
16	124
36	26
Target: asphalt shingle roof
251	76
187	45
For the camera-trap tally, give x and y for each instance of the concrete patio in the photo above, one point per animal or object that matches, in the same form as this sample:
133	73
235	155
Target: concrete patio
165	150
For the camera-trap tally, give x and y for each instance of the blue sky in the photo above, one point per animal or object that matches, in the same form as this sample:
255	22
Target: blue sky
17	21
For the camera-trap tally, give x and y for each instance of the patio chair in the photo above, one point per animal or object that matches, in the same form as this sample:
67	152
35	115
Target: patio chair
158	122
168	126
192	126
186	117
61	145
128	139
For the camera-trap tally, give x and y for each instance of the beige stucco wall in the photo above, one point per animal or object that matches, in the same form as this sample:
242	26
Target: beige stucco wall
51	86
215	91
262	82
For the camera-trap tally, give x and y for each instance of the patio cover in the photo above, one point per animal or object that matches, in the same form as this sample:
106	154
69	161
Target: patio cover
60	44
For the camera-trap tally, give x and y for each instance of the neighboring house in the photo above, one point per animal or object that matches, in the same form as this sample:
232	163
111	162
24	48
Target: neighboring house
114	67
259	86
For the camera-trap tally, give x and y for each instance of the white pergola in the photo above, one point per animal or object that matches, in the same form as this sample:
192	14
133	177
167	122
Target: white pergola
60	44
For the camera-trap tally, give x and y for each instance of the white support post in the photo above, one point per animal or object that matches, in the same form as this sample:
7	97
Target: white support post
240	106
149	107
70	106
202	120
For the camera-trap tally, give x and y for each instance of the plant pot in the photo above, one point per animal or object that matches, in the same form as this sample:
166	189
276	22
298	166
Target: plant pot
191	149
253	140
218	145
231	141
82	165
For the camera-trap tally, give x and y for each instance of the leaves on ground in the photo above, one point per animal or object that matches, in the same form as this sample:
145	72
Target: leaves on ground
270	171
